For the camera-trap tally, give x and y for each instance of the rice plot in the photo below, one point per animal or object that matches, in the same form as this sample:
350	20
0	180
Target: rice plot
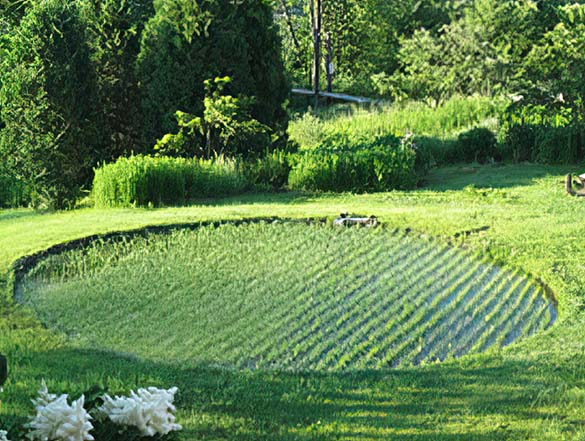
286	296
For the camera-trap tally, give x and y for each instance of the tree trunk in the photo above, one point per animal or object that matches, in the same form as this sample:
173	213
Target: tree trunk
316	24
3	369
208	142
291	29
329	69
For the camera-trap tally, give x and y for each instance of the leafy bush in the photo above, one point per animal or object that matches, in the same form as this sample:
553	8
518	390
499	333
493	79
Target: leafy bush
520	141
187	42
271	170
545	144
226	127
145	180
477	145
357	164
433	151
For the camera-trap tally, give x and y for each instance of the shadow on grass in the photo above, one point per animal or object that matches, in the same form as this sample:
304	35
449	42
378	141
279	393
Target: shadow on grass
12	215
444	178
256	198
439	402
501	175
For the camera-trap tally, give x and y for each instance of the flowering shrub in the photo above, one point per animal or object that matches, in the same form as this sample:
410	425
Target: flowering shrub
145	413
57	420
150	410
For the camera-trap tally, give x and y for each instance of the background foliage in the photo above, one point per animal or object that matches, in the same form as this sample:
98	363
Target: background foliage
88	81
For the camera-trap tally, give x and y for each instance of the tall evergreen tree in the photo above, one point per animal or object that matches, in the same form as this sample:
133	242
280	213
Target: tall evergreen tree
114	31
48	98
187	42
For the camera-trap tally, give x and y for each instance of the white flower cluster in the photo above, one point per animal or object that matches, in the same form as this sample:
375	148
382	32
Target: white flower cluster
4	435
58	420
150	410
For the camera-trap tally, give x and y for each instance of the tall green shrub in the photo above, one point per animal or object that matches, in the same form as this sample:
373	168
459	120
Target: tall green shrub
476	145
114	31
13	192
358	164
48	100
271	170
145	180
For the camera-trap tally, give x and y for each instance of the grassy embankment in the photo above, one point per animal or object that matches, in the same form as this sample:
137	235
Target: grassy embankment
534	389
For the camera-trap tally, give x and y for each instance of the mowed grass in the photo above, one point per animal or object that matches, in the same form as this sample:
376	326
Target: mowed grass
284	296
517	216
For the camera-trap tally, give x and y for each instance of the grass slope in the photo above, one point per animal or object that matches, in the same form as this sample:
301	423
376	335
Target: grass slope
284	296
533	390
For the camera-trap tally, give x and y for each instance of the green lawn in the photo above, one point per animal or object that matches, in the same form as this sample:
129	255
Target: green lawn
516	216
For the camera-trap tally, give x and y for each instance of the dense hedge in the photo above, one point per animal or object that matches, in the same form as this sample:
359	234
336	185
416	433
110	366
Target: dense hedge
358	164
188	42
270	170
145	180
546	144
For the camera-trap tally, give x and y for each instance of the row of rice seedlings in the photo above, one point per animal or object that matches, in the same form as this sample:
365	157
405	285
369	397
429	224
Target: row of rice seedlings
444	275
61	267
292	296
487	312
315	265
510	317
379	339
243	260
368	327
377	293
444	335
535	313
411	302
315	323
496	317
364	329
543	319
247	301
298	301
147	250
471	331
384	289
303	287
425	317
462	295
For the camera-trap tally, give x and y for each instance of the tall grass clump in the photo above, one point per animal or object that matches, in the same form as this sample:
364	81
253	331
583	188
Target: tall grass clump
145	180
269	171
447	121
356	163
534	133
